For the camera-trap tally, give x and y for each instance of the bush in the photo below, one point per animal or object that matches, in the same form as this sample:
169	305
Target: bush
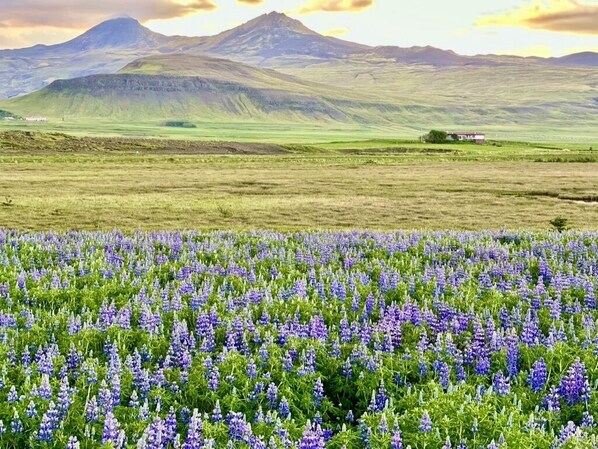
560	224
436	136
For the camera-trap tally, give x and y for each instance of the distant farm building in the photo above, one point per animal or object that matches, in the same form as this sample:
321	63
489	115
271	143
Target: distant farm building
478	138
36	119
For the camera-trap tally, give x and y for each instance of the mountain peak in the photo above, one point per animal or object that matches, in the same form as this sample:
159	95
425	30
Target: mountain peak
275	35
121	32
277	21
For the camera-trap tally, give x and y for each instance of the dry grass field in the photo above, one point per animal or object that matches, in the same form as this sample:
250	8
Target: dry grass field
337	188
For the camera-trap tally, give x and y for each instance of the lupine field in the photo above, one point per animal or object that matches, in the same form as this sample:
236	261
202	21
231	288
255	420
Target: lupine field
306	340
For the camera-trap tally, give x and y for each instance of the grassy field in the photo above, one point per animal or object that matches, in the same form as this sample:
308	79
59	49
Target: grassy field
240	131
367	184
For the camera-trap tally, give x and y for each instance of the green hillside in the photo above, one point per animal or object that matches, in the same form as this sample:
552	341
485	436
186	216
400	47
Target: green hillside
516	101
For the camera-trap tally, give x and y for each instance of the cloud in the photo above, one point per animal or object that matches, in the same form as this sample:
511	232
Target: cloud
313	6
23	37
61	14
336	32
564	16
251	2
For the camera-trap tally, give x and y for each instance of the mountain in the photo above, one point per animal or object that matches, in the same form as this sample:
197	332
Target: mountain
105	48
272	40
116	34
174	87
279	71
364	94
426	55
583	59
274	35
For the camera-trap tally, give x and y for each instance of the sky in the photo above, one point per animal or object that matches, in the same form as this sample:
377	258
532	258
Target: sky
520	27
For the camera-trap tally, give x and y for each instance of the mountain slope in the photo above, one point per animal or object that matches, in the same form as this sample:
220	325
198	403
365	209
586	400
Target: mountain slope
183	87
217	69
383	94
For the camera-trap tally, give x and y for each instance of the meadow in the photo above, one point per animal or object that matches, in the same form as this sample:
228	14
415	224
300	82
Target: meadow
119	332
50	181
300	340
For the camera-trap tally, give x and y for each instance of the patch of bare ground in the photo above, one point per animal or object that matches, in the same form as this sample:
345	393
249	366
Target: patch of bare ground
32	143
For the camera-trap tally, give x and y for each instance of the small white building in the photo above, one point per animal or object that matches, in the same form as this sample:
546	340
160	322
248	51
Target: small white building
478	138
36	119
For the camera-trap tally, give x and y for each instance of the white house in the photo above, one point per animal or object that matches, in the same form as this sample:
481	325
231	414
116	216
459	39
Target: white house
478	138
36	119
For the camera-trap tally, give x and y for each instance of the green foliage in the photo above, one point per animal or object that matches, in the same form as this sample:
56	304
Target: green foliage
179	124
436	136
560	224
6	114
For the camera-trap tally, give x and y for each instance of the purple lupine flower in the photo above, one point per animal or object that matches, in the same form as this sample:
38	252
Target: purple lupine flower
46	365
12	396
49	424
111	430
318	419
134	400
318	392
31	411
251	369
443	371
396	441
538	376
551	400
483	366
155	434
272	396
259	416
170	427
501	384
587	420
347	369
92	410
214	379
195	434
217	413
287	362
238	428
73	443
383	425
425	425
312	438
475	426
16	425
567	432
45	390
283	408
575	386
512	354
350	418
64	397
